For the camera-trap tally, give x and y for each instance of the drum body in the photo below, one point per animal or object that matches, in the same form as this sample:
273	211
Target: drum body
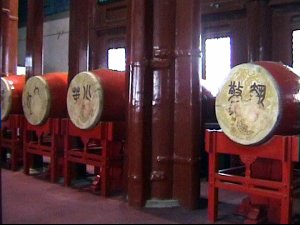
11	95
96	96
45	97
259	100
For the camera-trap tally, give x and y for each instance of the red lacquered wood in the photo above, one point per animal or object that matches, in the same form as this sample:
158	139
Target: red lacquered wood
283	149
13	142
105	136
114	93
51	129
34	38
163	99
289	89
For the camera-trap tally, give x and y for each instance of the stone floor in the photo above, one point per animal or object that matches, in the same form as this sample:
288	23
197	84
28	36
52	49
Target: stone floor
26	199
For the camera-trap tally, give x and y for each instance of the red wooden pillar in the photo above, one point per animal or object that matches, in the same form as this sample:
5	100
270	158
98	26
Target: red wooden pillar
139	102
1	47
79	37
187	104
34	48
5	29
8	49
1	221
34	39
260	30
282	37
9	24
163	99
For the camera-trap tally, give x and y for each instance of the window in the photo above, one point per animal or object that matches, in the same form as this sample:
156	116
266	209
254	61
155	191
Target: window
217	63
21	70
296	51
116	59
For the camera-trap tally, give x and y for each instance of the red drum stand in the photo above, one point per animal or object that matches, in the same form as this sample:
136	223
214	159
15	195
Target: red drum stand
102	147
282	149
44	140
11	139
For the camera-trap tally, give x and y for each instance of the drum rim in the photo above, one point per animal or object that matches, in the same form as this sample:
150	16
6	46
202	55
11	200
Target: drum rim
48	108
279	114
96	121
6	113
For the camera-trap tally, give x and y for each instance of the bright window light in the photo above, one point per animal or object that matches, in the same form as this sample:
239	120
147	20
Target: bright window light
217	63
21	70
116	59
296	51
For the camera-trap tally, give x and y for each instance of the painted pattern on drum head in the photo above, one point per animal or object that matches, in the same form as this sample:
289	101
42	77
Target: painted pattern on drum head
36	100
85	100
248	105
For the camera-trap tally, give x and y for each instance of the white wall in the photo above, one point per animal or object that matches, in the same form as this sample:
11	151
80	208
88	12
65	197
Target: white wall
56	45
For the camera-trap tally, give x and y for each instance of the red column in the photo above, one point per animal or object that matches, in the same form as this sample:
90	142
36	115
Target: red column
79	37
1	34
34	39
163	99
9	24
187	104
5	28
259	30
139	102
1	221
34	48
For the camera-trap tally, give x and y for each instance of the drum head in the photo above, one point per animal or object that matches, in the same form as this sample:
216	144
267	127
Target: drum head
248	104
6	98
85	100
36	100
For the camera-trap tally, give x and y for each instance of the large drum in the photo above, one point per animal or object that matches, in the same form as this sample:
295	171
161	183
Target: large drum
96	96
45	97
11	95
259	100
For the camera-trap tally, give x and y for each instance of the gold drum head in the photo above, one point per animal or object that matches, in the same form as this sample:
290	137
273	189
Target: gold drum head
248	104
36	100
85	100
6	98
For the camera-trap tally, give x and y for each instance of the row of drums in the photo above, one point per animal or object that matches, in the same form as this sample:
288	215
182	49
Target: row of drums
256	101
90	97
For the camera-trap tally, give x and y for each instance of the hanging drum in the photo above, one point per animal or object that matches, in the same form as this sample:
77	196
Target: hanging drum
96	96
45	97
11	95
259	100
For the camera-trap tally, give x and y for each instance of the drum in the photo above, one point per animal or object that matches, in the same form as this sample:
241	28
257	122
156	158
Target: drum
96	96
45	97
11	95
257	101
